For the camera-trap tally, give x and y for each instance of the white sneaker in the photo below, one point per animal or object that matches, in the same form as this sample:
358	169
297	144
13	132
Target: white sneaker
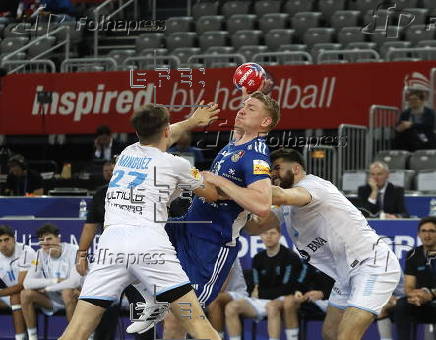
151	313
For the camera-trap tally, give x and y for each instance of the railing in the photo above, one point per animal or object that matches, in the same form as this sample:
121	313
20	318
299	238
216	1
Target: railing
98	11
149	62
321	160
414	52
288	57
66	42
26	66
208	59
89	65
354	54
381	130
352	153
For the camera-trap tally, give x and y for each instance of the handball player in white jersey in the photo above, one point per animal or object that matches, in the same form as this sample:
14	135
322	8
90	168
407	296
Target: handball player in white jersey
333	236
134	245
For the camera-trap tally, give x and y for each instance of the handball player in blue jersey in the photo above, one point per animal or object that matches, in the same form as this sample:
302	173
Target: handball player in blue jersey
241	171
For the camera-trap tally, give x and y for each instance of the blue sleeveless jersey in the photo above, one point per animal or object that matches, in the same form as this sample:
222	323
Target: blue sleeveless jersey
242	164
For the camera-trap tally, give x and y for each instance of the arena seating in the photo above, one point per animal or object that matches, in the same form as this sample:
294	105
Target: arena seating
272	24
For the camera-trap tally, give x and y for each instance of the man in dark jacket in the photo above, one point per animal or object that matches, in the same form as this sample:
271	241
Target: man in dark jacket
380	197
416	125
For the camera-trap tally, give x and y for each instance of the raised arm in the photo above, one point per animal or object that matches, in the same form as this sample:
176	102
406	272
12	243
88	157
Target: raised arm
202	116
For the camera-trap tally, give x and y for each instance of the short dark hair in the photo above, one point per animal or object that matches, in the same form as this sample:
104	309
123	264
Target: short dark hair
103	130
17	160
6	230
428	219
47	228
149	121
289	155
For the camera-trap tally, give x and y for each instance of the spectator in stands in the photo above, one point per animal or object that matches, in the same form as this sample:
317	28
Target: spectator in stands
419	304
108	168
416	125
22	181
275	275
184	149
15	260
60	10
104	144
380	197
8	10
52	281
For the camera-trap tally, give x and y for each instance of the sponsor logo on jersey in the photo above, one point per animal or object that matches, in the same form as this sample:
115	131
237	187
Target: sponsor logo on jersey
195	173
237	156
316	244
260	167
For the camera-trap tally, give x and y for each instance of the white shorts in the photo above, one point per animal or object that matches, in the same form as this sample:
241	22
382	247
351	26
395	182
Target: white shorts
370	284
129	253
260	306
56	301
238	295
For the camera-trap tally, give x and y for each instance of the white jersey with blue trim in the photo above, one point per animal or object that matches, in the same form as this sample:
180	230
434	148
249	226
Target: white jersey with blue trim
329	232
243	165
19	261
144	182
55	267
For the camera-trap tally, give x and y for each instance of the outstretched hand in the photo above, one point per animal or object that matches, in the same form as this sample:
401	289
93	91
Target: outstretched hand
204	116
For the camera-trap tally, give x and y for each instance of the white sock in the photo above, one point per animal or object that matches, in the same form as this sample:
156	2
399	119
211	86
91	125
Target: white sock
21	336
291	333
235	337
385	329
221	334
273	339
32	333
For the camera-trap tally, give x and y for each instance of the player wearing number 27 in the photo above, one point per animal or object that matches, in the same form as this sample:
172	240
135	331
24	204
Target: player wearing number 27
146	179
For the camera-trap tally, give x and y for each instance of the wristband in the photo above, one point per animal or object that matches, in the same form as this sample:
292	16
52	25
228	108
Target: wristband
82	253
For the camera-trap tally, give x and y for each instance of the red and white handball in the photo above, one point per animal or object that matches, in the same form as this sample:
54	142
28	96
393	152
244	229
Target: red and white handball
250	76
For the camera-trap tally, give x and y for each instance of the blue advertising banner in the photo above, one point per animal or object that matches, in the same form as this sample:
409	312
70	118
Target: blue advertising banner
69	206
401	234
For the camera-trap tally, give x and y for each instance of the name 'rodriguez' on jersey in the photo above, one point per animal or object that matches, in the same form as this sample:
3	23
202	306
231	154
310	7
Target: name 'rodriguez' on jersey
145	181
242	164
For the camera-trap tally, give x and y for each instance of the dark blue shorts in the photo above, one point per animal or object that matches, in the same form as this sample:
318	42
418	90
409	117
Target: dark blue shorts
206	263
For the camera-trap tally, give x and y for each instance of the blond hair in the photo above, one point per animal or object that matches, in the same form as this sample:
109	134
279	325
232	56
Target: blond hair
271	106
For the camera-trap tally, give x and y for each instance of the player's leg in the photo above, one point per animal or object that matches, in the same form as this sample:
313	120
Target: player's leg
233	311
17	315
29	300
195	322
372	284
70	301
85	319
290	315
354	323
216	311
331	323
384	323
273	311
173	329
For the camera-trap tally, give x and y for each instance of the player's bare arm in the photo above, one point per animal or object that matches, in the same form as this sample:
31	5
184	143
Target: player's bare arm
255	198
15	289
86	238
257	225
202	116
208	191
296	196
